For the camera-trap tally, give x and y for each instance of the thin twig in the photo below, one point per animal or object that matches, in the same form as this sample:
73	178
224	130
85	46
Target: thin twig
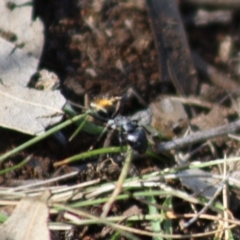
44	182
201	103
199	137
119	185
215	3
225	202
138	231
204	209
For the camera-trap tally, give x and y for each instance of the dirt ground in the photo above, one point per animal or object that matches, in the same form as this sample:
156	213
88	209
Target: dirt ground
99	51
95	48
105	48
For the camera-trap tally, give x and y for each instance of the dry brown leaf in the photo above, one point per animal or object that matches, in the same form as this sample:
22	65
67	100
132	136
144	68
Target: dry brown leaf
216	117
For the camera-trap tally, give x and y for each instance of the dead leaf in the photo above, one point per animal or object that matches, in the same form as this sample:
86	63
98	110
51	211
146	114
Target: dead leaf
18	22
16	66
216	117
29	110
23	109
28	221
167	113
203	186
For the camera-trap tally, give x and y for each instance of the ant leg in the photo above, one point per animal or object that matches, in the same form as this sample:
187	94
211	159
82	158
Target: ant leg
76	105
80	106
121	141
118	107
98	139
106	144
108	127
131	92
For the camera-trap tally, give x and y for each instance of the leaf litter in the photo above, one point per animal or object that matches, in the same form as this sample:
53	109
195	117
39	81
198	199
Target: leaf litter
23	109
92	74
29	220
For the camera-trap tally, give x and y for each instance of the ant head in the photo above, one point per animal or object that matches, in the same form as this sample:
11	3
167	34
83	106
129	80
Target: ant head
105	107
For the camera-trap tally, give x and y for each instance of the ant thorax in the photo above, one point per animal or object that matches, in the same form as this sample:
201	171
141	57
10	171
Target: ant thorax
129	132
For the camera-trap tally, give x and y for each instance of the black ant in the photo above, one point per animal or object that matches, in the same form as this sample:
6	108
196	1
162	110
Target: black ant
107	109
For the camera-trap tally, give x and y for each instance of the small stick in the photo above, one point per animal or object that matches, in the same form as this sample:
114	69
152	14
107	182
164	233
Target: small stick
215	3
204	209
199	136
118	189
